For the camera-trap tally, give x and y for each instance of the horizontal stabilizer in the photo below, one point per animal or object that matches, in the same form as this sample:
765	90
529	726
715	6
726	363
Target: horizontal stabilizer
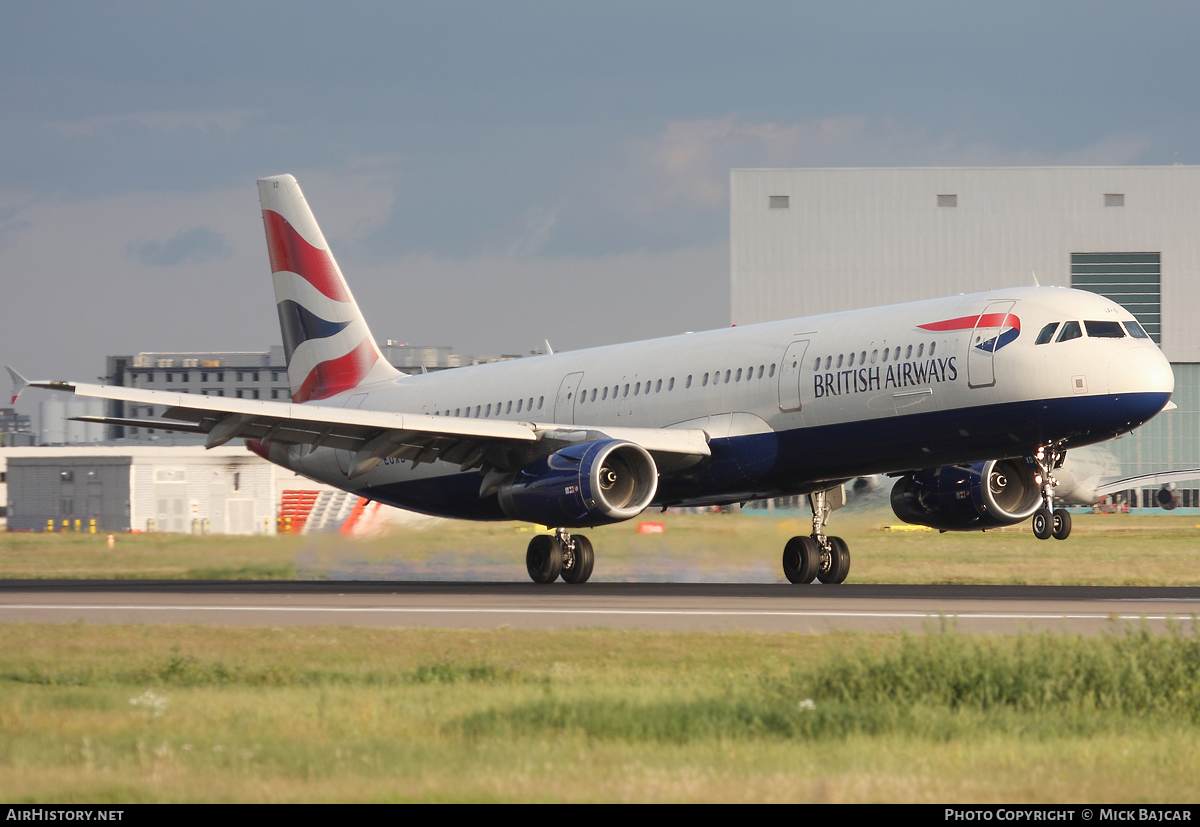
1160	478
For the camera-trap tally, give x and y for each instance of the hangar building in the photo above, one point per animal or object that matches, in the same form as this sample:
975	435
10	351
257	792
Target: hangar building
811	241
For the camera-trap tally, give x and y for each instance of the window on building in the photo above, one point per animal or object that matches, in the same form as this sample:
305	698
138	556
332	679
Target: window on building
1132	280
183	377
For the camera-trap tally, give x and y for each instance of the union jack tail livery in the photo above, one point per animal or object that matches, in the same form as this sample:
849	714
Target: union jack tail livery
325	338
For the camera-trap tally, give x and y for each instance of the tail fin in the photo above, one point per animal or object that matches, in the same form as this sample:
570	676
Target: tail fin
325	338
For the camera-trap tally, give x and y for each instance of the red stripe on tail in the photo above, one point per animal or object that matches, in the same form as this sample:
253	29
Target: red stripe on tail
291	253
340	374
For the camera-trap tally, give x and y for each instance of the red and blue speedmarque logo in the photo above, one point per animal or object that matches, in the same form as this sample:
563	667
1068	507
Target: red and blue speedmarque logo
1009	324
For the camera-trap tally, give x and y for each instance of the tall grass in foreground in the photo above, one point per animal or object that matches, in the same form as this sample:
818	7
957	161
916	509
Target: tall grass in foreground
940	686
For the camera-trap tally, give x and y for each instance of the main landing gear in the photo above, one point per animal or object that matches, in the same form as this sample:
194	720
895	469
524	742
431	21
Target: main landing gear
817	557
1049	521
561	555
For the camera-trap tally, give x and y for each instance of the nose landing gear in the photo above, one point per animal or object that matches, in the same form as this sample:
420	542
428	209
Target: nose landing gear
562	555
818	557
1049	521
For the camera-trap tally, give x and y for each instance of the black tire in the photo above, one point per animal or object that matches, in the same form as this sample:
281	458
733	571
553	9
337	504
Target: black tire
581	565
543	559
839	563
801	559
1043	524
1061	528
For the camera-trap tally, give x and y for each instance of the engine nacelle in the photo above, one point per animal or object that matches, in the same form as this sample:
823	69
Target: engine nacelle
969	497
589	484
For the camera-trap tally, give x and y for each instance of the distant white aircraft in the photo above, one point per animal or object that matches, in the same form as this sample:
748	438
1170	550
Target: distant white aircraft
1088	474
952	392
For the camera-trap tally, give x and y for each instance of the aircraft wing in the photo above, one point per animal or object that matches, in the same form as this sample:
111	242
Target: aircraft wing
372	436
1109	485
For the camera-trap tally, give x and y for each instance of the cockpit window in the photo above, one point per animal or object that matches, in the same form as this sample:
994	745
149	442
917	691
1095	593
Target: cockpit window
1047	333
1070	330
1104	330
1135	330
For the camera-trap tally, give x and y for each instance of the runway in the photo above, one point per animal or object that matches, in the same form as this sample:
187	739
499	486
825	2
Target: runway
652	606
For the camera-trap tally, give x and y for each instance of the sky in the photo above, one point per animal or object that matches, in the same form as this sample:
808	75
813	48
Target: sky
490	175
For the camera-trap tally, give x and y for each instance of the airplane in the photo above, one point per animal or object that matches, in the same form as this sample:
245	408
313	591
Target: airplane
958	395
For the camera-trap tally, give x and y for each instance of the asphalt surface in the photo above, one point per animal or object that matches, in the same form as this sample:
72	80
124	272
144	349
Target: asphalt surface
656	606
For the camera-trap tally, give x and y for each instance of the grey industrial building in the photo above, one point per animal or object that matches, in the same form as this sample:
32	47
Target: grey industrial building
811	241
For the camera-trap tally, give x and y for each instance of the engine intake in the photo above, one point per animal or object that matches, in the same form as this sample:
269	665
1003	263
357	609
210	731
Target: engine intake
589	484
969	497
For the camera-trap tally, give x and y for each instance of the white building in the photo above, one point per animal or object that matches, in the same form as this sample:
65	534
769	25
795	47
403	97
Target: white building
181	489
811	241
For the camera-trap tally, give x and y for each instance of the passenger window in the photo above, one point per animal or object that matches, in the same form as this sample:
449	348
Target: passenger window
593	394
626	393
932	347
604	393
761	368
1047	333
828	362
671	385
704	384
817	364
541	399
488	412
874	356
920	350
839	364
688	383
1070	330
908	352
637	386
1104	330
658	386
529	407
896	355
772	371
885	354
739	376
456	411
508	407
727	373
1135	330
851	360
520	402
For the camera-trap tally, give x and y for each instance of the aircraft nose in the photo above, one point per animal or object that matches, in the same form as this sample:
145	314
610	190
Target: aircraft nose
1141	369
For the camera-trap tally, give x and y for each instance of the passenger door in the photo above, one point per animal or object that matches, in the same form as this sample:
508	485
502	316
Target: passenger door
790	368
568	393
982	346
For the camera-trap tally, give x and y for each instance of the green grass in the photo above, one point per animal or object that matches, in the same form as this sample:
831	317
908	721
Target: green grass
1117	549
133	713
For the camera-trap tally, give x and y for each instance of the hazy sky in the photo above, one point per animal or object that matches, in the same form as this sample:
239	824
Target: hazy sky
494	173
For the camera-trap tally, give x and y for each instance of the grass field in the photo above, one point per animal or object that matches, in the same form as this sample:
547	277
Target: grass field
158	713
1102	550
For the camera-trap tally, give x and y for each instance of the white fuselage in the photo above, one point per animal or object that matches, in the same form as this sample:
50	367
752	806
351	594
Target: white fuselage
787	405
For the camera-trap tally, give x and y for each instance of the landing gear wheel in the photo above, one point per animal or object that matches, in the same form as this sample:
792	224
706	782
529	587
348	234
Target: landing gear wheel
801	559
839	562
1043	524
581	561
1061	524
544	559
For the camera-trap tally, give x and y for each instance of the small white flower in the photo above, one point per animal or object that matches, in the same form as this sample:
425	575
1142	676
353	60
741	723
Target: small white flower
807	704
153	702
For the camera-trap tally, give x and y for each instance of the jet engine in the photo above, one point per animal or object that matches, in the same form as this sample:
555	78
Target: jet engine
588	484
969	497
